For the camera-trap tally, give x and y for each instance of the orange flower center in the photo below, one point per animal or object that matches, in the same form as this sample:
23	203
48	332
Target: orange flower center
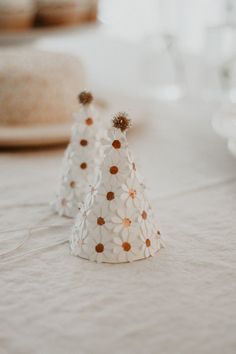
148	242
114	170
144	215
126	222
72	184
116	144
126	246
100	221
83	142
110	196
89	121
83	166
99	248
132	193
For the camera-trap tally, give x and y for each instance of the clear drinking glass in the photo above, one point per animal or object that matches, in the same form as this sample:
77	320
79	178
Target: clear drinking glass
163	68
220	53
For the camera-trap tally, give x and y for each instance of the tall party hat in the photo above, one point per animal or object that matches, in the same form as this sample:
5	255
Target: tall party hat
117	223
80	167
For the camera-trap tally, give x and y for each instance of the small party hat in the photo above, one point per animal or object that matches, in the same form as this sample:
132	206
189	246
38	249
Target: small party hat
116	224
80	167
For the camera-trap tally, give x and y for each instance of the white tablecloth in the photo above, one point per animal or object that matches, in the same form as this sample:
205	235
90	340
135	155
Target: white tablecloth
179	302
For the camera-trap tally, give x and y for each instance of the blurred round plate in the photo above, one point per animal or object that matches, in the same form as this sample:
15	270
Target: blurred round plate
24	36
224	123
55	134
40	135
35	135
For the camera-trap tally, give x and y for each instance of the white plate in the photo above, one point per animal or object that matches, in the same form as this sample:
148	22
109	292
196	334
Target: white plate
25	36
35	135
44	134
224	124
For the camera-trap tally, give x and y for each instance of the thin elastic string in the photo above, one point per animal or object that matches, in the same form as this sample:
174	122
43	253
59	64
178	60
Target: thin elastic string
17	258
28	236
6	231
19	245
11	230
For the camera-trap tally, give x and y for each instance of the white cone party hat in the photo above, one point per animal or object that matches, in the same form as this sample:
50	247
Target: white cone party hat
82	159
116	224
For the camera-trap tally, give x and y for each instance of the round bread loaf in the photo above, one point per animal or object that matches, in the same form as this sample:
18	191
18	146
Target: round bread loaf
57	12
16	15
38	87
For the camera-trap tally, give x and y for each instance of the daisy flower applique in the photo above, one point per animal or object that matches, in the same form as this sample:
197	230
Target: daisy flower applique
115	170
66	205
100	248
115	142
85	165
150	244
124	223
97	220
108	194
146	218
91	190
131	193
72	185
127	247
79	242
133	168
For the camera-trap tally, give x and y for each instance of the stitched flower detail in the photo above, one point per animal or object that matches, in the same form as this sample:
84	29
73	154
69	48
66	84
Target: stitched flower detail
81	217
80	242
145	217
85	126
70	186
86	139
124	222
134	173
92	191
150	244
100	248
84	142
89	121
115	171
130	193
97	220
84	166
109	195
127	247
66	205
115	142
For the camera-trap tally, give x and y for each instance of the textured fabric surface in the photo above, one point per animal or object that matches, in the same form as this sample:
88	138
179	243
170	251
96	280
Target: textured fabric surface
181	301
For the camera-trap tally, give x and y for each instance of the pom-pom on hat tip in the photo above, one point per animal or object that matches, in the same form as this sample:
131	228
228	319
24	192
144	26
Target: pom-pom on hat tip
85	97
121	121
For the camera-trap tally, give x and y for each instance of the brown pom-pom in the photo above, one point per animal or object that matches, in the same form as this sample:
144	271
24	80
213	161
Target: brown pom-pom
121	121
85	97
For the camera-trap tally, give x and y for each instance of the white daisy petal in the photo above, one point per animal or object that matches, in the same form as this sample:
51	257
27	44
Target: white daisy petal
116	219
